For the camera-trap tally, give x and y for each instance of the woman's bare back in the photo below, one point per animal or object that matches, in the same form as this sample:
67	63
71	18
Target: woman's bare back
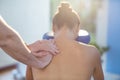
75	62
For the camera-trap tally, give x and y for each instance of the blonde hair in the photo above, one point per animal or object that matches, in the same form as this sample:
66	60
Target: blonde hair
66	16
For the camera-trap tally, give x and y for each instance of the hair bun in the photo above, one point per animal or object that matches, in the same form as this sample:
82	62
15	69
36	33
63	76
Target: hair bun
65	7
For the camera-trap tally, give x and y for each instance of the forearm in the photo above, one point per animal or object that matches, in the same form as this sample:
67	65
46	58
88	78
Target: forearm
16	48
13	45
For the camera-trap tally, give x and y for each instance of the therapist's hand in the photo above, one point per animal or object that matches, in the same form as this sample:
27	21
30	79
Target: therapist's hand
37	48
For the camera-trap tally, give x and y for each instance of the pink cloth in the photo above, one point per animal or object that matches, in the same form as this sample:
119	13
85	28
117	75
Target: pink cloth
46	59
43	51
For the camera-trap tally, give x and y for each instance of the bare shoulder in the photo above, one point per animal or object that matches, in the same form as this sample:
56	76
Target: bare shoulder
90	50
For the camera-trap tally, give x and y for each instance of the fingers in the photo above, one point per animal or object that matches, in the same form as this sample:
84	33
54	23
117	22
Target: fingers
34	47
49	45
52	41
40	54
54	50
44	45
54	46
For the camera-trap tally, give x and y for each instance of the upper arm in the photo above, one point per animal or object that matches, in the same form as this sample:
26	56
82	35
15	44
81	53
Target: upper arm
98	72
29	75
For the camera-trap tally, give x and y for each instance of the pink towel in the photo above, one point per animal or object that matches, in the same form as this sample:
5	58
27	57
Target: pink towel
44	56
46	59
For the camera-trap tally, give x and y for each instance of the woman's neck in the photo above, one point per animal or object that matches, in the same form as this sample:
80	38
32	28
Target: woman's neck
64	38
64	34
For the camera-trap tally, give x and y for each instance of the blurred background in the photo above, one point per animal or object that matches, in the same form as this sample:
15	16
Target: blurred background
32	18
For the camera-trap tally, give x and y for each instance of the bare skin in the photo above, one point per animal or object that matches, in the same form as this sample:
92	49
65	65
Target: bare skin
12	43
76	61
